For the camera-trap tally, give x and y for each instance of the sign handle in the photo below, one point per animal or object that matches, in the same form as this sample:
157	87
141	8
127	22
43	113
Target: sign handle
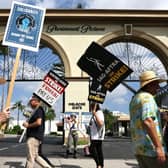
13	77
12	82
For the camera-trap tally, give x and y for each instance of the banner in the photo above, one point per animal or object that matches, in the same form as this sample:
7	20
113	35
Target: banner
24	26
51	88
103	66
97	92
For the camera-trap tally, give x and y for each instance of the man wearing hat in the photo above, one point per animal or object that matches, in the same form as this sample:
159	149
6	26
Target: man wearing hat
35	133
146	131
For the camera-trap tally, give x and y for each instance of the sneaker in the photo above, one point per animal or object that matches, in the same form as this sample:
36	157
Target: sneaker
75	155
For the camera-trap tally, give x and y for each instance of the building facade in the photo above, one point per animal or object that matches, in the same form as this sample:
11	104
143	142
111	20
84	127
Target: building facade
70	32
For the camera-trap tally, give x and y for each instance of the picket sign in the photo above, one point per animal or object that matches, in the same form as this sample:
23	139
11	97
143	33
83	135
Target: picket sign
23	31
106	70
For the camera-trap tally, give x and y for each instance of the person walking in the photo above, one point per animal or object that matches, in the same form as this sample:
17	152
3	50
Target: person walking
146	130
44	157
35	133
97	133
72	135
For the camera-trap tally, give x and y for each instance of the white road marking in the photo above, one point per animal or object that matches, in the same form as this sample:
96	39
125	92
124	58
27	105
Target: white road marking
1	149
13	146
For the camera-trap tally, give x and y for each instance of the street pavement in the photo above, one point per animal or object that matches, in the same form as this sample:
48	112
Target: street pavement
15	162
117	153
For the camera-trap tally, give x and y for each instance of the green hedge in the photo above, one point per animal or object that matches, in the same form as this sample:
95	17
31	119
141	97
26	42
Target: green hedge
15	130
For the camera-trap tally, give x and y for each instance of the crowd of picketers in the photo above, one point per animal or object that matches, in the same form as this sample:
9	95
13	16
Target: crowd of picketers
149	128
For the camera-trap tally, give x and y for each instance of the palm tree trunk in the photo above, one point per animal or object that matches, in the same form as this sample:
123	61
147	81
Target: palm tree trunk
18	117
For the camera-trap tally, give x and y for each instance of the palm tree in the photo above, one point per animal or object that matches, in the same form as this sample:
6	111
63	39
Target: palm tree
50	115
4	53
109	119
20	107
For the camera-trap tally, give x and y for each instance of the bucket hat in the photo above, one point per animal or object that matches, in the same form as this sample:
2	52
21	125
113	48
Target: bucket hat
148	77
34	98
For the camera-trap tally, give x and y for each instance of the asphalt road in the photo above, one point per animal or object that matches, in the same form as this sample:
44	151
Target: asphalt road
114	148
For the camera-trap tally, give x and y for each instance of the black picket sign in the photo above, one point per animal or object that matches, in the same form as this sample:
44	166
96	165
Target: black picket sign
95	60
103	66
97	92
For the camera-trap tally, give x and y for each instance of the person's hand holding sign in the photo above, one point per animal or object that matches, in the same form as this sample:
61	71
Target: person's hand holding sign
4	115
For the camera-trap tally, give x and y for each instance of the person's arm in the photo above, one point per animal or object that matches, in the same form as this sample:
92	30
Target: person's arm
99	121
37	123
3	117
150	127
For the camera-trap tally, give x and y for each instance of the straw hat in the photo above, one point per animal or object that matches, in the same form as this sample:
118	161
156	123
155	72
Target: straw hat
2	80
148	77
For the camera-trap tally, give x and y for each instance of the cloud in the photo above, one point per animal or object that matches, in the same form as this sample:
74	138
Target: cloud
6	4
94	4
42	3
47	4
51	4
117	96
127	4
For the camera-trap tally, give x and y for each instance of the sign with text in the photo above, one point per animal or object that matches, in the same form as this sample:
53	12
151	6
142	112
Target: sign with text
51	88
97	92
103	66
24	26
77	105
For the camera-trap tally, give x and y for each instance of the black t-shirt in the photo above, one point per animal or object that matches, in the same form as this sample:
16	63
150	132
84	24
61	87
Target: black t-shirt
166	133
37	132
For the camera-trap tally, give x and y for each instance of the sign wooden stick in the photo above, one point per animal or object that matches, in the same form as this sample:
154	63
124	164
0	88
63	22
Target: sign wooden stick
95	106
12	82
13	77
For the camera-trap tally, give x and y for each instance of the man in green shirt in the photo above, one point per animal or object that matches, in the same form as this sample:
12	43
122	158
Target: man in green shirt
146	129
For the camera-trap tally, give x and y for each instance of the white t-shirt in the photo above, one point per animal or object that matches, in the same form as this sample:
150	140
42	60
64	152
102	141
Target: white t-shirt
97	133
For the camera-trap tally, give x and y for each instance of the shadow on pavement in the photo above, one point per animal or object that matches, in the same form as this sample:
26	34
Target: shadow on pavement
69	166
14	164
133	165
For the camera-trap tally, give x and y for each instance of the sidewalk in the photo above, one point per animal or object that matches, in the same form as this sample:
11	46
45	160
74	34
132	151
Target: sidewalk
19	162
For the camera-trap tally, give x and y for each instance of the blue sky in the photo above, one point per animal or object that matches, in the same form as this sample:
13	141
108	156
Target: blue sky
119	99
